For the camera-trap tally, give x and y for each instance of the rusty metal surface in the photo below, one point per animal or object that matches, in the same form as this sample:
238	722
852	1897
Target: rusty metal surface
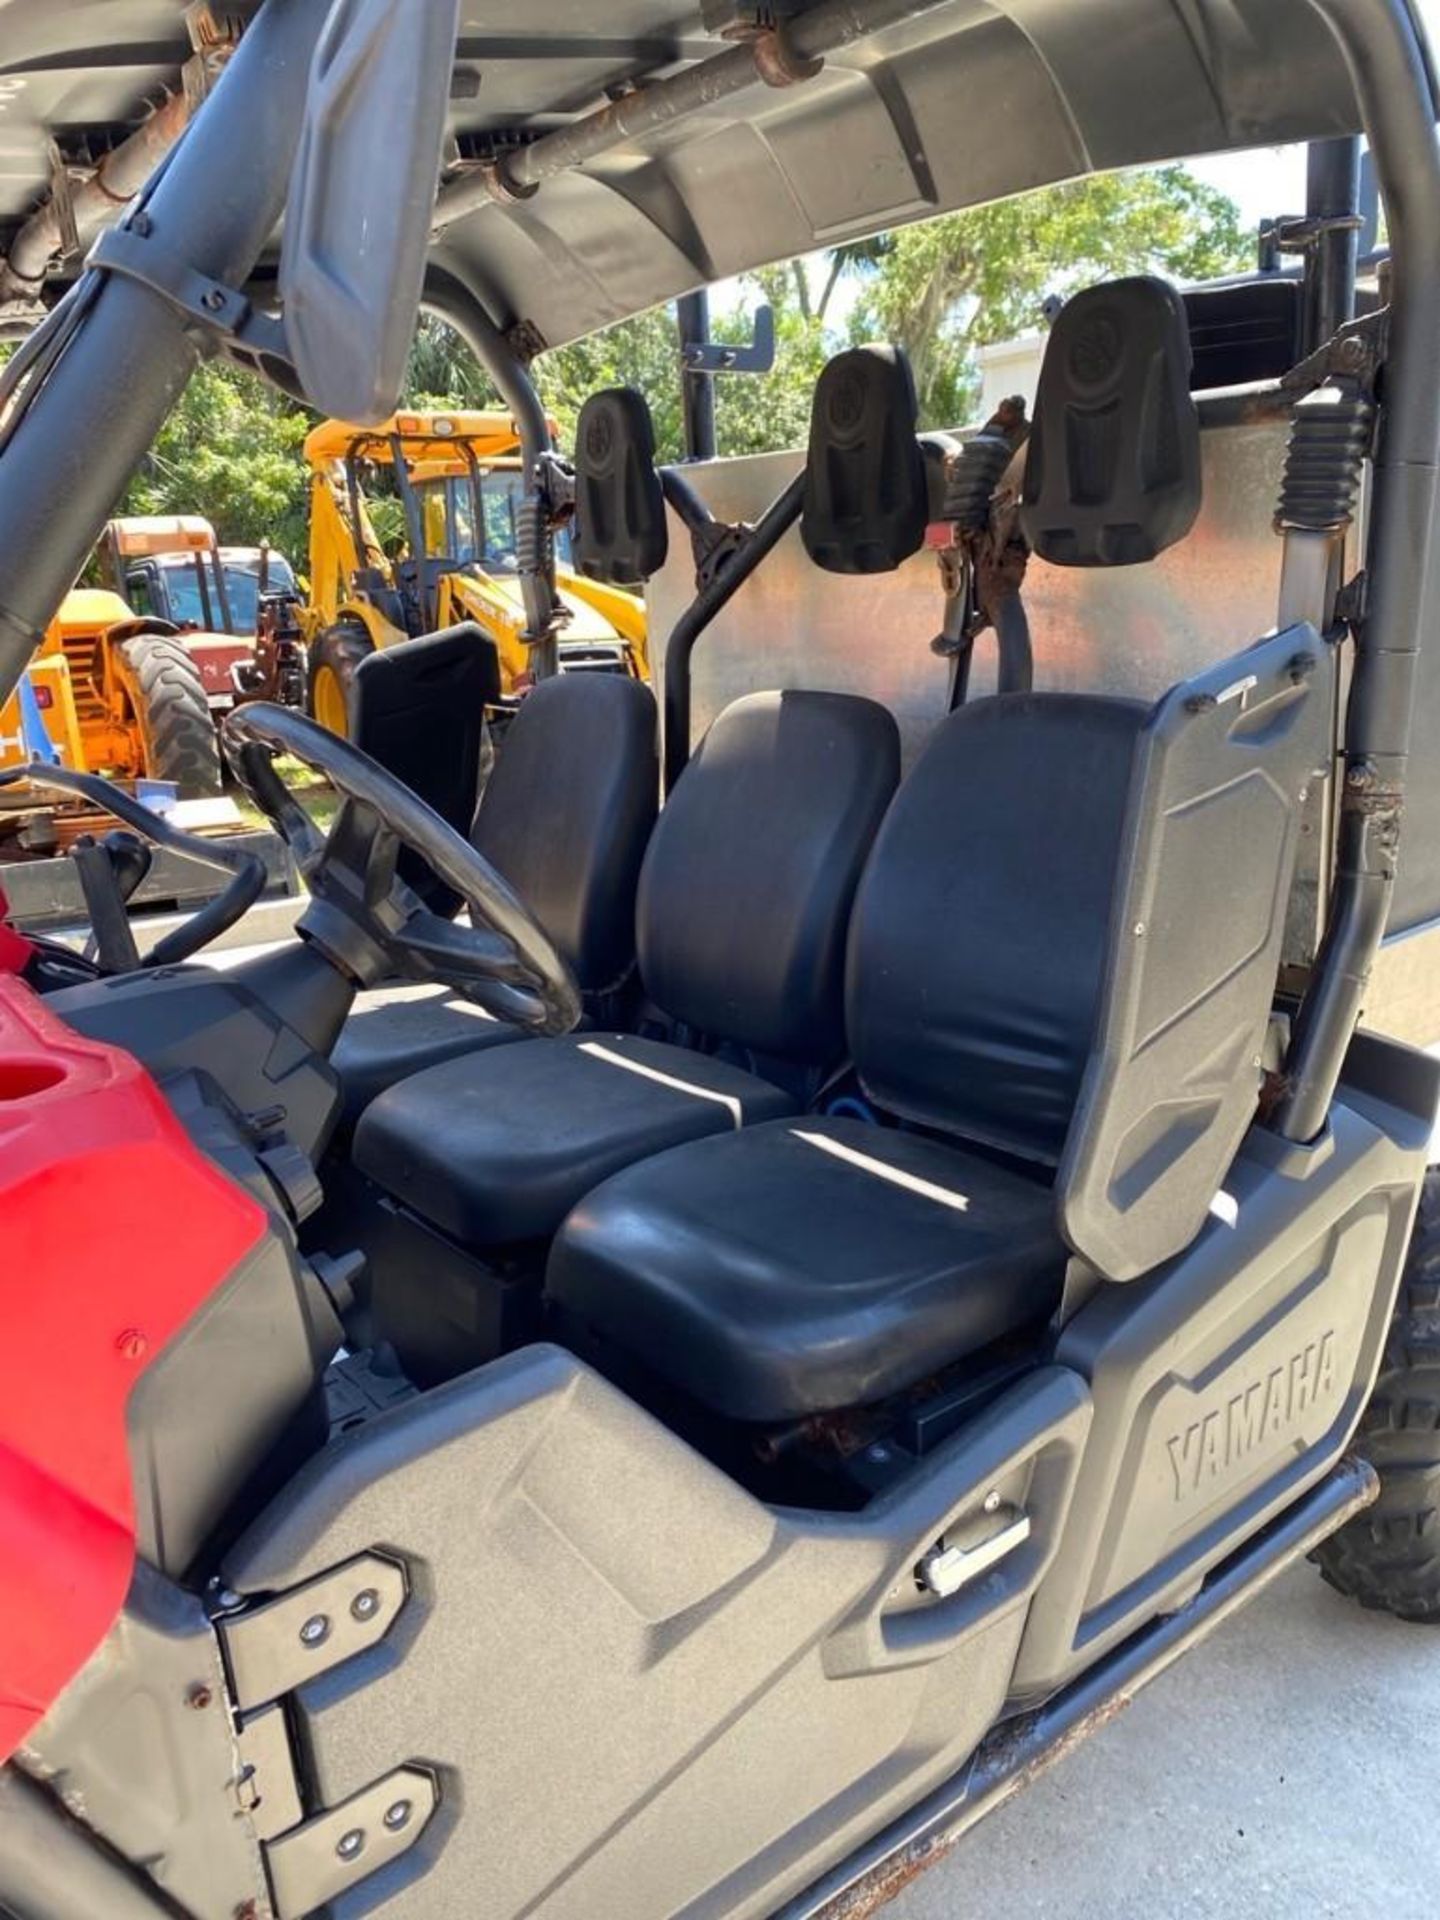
1132	631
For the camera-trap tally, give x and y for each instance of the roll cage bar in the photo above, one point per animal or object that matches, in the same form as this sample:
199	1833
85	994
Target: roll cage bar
117	352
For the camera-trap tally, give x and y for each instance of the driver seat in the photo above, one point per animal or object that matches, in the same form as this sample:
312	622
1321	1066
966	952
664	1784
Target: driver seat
565	817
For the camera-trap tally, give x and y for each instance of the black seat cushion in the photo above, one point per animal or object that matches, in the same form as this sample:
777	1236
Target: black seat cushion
981	926
567	813
748	882
808	1265
395	1031
497	1148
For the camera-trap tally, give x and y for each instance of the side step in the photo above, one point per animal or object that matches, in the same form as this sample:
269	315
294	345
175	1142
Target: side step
1010	1757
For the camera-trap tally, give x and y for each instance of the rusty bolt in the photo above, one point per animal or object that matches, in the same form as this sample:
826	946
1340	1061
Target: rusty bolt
131	1344
247	1910
199	1697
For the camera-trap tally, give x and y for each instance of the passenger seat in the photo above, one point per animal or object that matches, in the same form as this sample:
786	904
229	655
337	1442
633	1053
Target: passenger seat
743	909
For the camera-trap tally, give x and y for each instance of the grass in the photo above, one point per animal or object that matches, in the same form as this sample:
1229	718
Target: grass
316	795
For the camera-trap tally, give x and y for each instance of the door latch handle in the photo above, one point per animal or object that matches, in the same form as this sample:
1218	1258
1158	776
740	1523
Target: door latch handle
945	1570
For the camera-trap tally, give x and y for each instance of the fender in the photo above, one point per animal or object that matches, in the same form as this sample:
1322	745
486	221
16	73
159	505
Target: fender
115	1230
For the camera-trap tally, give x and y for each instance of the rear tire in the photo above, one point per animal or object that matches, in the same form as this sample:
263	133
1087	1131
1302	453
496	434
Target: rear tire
178	737
1388	1558
334	658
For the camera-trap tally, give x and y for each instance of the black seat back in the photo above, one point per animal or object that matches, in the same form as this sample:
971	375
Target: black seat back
567	813
620	531
867	496
1112	470
568	808
747	886
980	930
419	709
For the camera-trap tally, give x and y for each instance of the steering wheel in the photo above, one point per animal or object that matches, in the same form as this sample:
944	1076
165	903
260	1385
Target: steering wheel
247	873
361	915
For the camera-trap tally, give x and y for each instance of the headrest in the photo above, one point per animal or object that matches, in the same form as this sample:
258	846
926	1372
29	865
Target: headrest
620	531
866	498
1112	476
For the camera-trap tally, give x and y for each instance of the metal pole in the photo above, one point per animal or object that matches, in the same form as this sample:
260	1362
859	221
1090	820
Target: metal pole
456	304
101	406
692	313
777	58
1391	78
762	539
1332	193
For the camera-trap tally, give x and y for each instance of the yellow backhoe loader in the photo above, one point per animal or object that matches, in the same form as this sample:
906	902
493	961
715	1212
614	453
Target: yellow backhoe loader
458	480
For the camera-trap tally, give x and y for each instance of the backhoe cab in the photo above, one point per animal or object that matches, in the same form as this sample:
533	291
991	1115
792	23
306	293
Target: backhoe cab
459	483
747	1279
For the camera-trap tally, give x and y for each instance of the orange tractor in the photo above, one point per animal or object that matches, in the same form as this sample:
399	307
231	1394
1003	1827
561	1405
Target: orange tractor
126	693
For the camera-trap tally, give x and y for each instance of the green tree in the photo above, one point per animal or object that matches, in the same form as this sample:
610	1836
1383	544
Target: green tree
642	353
232	448
753	413
230	451
757	412
945	287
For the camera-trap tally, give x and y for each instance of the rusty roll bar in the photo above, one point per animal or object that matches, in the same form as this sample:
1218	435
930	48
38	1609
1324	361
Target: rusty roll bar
94	203
1393	85
781	56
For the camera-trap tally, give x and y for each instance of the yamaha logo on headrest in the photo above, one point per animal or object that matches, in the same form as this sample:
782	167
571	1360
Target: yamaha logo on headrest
599	438
1095	350
847	402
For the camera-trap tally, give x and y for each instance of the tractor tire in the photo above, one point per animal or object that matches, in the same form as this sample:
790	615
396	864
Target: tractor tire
1388	1558
177	734
334	658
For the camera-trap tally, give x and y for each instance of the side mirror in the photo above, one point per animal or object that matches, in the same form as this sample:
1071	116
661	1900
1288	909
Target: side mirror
362	197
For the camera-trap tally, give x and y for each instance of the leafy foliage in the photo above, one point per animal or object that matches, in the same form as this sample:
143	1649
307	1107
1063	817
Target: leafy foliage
944	288
231	449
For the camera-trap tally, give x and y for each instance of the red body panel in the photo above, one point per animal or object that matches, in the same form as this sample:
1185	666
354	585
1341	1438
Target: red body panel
15	949
114	1229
